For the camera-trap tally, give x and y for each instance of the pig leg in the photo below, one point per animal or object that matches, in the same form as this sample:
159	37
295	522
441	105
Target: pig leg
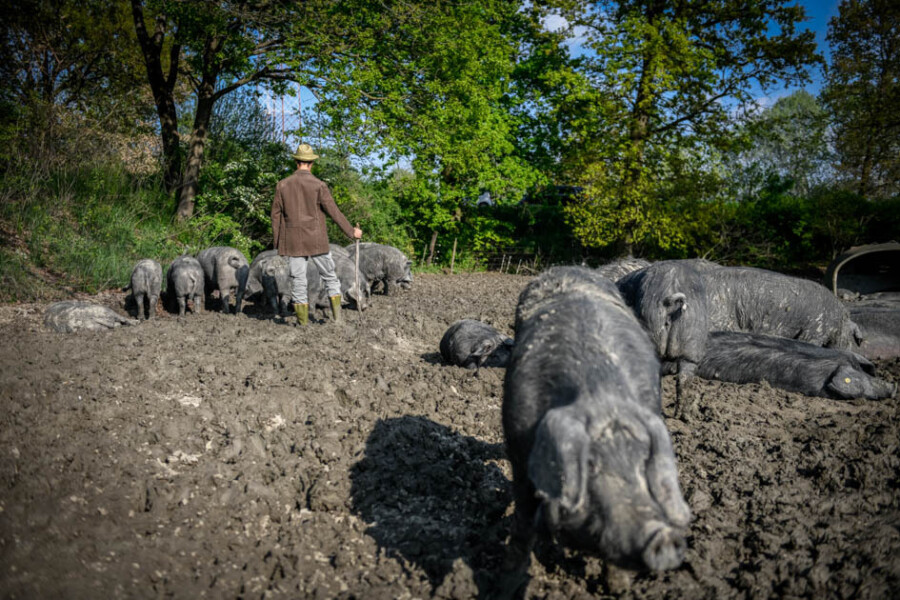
182	300
684	405
226	302
198	303
139	300
154	300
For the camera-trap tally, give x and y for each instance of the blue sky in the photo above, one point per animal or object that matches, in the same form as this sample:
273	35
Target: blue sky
818	15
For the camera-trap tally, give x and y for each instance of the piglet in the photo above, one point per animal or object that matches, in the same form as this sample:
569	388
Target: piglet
472	344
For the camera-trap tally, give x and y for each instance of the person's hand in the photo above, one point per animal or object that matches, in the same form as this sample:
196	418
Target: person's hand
357	233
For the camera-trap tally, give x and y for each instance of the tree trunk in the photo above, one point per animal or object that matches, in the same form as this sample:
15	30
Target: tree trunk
431	247
205	101
163	88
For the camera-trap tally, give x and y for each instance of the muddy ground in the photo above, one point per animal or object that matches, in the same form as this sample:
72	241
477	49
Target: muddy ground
221	456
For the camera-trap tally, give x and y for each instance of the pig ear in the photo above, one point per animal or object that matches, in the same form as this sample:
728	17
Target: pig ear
558	464
662	474
485	348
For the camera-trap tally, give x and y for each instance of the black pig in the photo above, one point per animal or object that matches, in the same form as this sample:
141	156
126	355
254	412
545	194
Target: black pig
473	344
791	365
592	460
225	269
759	301
382	263
670	298
184	281
146	283
73	315
617	269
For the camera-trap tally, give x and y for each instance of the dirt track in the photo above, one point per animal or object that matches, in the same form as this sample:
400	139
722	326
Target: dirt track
224	457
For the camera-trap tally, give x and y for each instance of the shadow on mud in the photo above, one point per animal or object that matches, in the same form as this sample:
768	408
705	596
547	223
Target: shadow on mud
432	497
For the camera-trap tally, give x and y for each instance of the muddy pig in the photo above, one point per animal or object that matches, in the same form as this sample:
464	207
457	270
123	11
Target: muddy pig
184	281
276	282
345	269
879	324
617	269
384	264
759	301
669	297
592	460
71	315
337	249
225	269
254	277
146	283
791	365
473	344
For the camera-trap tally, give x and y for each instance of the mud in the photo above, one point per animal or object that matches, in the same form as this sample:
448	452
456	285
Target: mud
231	456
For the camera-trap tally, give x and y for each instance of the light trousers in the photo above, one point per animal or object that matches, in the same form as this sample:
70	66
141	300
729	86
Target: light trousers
324	264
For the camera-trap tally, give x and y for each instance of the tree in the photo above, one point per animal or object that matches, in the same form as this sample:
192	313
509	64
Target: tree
435	86
61	52
667	73
862	93
790	140
219	47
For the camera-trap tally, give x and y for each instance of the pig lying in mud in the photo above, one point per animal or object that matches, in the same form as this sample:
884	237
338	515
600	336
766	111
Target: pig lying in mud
71	315
270	277
617	269
879	324
225	269
759	301
145	285
184	282
384	264
593	464
472	344
682	301
791	365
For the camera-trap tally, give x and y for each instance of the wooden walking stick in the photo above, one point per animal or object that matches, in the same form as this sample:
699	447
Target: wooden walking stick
359	292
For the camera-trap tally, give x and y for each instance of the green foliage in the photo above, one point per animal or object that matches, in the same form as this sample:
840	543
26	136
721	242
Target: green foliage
862	92
788	140
660	72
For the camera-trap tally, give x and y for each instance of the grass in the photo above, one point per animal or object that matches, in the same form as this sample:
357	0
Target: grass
82	230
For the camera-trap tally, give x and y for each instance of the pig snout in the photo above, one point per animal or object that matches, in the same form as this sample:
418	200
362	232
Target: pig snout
664	549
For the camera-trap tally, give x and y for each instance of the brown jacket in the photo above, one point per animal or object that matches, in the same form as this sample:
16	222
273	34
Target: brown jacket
298	215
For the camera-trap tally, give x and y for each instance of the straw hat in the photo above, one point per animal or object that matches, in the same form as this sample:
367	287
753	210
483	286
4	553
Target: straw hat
305	153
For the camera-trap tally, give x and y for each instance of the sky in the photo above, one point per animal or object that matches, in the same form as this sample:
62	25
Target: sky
818	14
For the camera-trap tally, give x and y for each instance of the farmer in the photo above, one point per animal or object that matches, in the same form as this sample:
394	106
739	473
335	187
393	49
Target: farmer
298	225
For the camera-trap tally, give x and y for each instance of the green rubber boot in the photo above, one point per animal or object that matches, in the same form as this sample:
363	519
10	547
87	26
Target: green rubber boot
302	311
336	308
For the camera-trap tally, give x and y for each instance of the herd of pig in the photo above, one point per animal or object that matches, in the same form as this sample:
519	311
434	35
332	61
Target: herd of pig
223	269
592	459
593	462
